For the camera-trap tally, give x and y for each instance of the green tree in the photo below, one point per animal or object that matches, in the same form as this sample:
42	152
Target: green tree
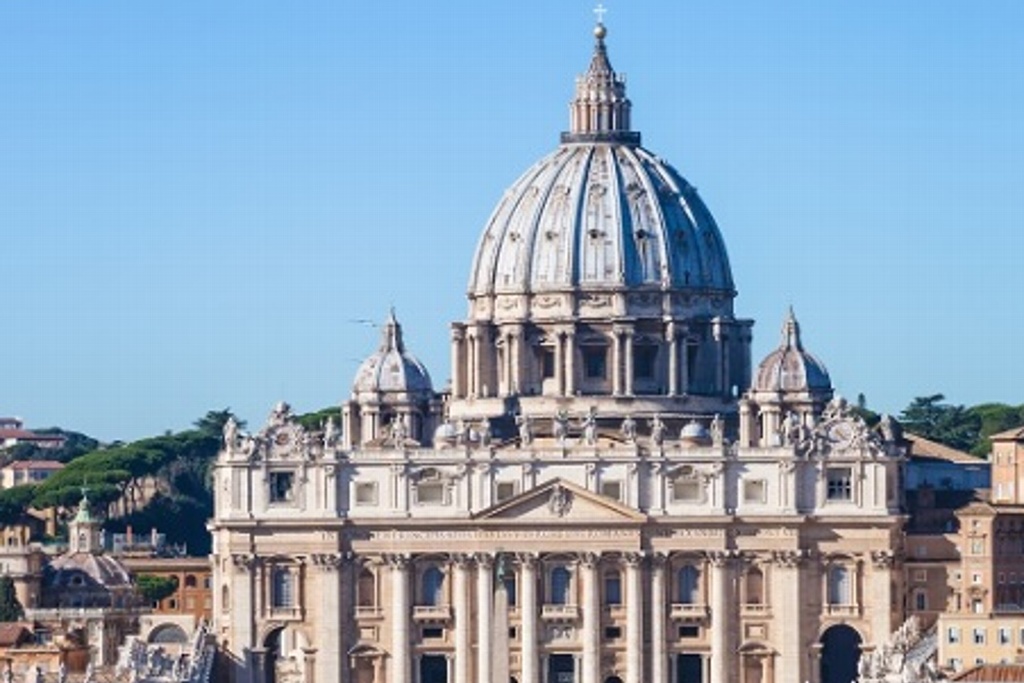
10	607
154	588
994	418
14	502
212	424
930	417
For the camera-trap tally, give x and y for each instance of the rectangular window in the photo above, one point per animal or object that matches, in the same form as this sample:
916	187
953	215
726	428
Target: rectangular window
281	489
432	632
430	493
547	360
366	493
612	489
504	490
979	636
686	491
612	632
839	483
921	575
977	547
754	491
953	635
689	631
612	588
282	592
594	362
644	357
1004	636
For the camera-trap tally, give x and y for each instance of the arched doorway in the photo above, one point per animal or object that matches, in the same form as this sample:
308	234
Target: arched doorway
271	655
840	652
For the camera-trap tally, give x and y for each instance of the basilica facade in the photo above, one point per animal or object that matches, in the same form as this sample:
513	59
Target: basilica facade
608	491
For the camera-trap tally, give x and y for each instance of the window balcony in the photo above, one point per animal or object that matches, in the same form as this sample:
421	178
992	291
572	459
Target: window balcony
756	609
843	610
688	611
560	612
431	613
286	613
369	612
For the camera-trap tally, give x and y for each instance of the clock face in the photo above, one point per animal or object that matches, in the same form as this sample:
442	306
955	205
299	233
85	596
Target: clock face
282	439
841	434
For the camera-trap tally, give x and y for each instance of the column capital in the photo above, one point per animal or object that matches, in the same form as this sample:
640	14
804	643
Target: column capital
458	332
633	560
484	560
527	559
788	559
720	558
460	560
329	562
588	560
882	559
397	561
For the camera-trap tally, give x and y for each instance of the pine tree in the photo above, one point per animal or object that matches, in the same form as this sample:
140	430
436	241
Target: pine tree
10	608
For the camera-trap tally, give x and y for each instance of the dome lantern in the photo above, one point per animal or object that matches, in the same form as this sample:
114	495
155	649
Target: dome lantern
600	111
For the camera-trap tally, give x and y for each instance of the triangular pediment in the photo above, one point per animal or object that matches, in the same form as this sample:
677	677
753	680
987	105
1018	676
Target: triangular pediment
558	500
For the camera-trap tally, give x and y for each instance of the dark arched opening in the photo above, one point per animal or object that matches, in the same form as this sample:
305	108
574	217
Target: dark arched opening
840	652
271	655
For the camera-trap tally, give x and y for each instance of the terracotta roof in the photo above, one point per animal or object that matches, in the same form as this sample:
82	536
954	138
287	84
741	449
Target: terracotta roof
14	632
35	465
921	447
992	673
1015	434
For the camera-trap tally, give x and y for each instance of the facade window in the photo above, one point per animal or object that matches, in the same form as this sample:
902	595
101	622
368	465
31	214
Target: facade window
504	490
561	581
839	483
366	589
644	358
366	493
754	491
978	607
281	487
430	493
612	489
282	594
687	490
190	581
547	363
754	586
840	586
920	600
595	363
921	575
433	586
1004	636
979	636
977	547
510	589
688	585
953	635
612	588
976	578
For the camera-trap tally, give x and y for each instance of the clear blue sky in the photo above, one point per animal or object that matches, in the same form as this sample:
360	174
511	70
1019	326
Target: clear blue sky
198	197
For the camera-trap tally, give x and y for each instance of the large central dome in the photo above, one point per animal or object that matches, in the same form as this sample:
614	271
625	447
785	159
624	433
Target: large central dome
600	285
601	212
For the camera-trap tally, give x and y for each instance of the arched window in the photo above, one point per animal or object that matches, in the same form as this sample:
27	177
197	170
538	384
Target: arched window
366	589
433	586
225	598
755	586
190	581
688	585
560	583
839	586
283	588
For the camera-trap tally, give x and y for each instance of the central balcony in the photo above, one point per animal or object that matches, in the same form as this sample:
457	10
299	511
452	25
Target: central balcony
560	612
688	612
425	613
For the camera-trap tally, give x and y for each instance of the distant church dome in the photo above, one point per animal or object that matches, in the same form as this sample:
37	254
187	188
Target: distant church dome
601	212
391	369
790	368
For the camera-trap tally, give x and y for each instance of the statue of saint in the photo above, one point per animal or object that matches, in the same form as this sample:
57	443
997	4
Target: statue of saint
657	431
628	429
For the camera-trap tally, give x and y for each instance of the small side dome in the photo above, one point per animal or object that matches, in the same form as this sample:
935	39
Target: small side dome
694	433
392	369
790	368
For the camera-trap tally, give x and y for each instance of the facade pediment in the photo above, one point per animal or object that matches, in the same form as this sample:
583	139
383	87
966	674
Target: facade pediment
559	500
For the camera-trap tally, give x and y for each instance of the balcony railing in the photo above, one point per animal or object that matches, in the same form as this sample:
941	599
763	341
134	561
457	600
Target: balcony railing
560	612
756	608
368	612
289	613
843	610
432	612
688	611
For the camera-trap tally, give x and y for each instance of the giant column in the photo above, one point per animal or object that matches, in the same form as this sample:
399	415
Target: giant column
658	600
787	599
528	615
401	656
634	619
460	588
721	656
484	614
591	632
